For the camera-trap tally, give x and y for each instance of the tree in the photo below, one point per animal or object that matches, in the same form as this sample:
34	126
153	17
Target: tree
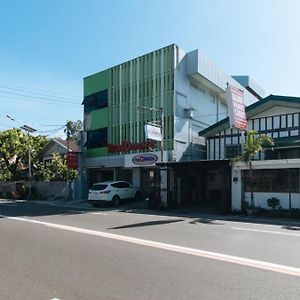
14	152
253	145
72	128
56	170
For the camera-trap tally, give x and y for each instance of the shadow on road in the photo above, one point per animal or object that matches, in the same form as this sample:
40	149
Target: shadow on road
31	209
151	223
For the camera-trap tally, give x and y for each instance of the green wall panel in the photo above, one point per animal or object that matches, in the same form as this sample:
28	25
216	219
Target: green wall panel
99	118
96	152
96	82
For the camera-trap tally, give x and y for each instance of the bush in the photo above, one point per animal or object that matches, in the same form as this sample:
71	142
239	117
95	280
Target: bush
273	202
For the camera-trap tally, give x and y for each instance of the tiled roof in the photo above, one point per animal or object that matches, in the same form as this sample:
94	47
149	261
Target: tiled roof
72	144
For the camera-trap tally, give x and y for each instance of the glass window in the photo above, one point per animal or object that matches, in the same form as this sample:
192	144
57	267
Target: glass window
99	187
273	181
96	138
232	151
95	101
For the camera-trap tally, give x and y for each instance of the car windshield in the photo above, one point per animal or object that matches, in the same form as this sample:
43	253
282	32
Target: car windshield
99	187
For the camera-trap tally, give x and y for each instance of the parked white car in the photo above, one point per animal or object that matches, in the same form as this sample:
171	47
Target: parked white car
114	192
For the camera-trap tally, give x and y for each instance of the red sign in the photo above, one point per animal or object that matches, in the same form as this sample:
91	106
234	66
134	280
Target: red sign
236	107
126	146
72	160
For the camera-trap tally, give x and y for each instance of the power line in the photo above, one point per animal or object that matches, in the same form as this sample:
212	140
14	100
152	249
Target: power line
42	92
43	100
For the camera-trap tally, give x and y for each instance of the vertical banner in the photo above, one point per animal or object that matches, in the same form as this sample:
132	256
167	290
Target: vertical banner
236	107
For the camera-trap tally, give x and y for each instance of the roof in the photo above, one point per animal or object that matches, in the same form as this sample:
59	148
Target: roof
72	144
62	143
252	110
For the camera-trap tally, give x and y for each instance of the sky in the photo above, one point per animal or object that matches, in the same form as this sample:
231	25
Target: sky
47	47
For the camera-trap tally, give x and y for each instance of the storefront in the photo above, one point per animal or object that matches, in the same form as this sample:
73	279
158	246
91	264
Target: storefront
205	185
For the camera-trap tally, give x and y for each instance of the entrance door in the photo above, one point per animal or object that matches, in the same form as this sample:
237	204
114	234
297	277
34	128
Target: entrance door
150	181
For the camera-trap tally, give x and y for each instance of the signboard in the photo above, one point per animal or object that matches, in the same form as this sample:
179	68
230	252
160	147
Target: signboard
153	132
236	107
144	159
72	160
126	146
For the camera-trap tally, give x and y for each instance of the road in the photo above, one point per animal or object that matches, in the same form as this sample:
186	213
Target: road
52	252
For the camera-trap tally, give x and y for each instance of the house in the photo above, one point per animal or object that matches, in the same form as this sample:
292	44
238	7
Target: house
59	146
275	170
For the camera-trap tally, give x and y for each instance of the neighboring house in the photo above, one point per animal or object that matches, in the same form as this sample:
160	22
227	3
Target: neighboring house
120	101
58	146
275	170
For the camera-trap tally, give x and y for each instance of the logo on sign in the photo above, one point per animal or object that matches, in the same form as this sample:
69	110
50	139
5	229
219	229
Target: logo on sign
144	159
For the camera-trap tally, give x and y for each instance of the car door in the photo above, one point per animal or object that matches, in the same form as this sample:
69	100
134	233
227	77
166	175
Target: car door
126	191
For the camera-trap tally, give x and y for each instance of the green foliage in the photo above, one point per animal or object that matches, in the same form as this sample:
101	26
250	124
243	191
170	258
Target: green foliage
273	202
56	170
14	152
255	144
72	128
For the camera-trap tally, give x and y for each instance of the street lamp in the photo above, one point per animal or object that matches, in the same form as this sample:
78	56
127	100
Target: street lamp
29	130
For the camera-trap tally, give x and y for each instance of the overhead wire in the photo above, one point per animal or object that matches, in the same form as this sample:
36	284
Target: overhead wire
41	92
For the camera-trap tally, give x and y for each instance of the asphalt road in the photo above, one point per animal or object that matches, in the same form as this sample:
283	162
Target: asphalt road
51	252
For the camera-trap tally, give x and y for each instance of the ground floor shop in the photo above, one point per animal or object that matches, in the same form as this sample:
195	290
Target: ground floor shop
205	185
138	169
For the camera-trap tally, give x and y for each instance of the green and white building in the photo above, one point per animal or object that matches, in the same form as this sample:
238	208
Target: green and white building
184	90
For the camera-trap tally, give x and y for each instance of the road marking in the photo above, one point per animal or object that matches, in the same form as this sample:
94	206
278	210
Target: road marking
266	231
97	213
262	265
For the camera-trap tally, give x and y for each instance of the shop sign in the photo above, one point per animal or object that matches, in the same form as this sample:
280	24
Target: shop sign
72	160
153	132
144	159
126	146
236	107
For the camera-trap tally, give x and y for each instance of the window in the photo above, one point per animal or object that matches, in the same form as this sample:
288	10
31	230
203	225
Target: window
95	101
273	181
96	138
232	151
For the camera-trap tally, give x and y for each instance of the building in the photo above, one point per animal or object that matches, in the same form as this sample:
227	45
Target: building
275	170
58	146
183	93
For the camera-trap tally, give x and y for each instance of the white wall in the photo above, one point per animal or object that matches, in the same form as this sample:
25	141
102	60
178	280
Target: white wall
208	109
236	190
260	199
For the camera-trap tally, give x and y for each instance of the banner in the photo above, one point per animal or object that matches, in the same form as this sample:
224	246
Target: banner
236	107
153	132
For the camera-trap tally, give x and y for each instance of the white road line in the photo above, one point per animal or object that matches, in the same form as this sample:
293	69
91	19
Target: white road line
267	231
97	213
287	270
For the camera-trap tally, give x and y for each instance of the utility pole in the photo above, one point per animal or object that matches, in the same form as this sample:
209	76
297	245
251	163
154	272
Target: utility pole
29	130
68	133
161	110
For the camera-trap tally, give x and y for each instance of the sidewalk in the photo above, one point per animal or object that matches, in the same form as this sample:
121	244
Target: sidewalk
141	208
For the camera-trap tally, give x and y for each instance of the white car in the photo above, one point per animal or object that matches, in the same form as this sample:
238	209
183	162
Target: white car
113	192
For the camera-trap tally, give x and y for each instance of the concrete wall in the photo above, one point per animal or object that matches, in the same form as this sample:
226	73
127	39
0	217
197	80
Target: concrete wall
46	189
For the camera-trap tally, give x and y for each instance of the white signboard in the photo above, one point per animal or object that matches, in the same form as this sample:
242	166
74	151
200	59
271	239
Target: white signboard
153	132
236	107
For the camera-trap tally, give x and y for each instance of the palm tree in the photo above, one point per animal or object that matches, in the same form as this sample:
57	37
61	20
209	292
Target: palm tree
254	145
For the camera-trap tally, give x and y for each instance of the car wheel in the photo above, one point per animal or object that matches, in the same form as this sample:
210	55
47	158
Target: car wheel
138	196
116	201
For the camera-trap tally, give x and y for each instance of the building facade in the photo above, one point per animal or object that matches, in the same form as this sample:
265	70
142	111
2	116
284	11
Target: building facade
182	93
275	169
